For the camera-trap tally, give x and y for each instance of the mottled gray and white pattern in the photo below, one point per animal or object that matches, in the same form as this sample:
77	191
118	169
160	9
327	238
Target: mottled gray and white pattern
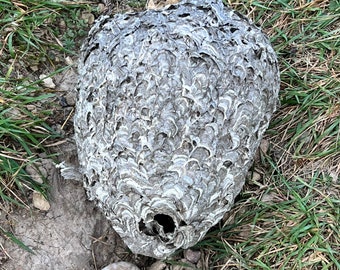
172	105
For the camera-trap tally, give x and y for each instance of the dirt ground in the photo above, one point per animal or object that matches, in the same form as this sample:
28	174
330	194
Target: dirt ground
67	236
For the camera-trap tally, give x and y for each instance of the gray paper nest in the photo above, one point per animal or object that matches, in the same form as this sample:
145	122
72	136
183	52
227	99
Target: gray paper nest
172	105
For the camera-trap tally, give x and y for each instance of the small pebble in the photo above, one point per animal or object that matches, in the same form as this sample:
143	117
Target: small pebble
159	265
32	108
121	266
34	68
40	202
192	255
47	82
256	177
69	61
88	17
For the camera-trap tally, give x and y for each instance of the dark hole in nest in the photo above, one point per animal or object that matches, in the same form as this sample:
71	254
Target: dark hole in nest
233	29
88	117
227	163
90	97
182	223
183	15
165	221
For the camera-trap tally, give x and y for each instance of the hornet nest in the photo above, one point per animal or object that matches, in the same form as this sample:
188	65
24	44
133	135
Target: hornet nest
172	105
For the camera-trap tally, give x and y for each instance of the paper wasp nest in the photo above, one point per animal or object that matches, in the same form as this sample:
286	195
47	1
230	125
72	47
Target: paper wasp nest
172	105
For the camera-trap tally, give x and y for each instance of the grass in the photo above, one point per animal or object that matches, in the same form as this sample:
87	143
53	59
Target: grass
295	227
22	133
287	216
34	37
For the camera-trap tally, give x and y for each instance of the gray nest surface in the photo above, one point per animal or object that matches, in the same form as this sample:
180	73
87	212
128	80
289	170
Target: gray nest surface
172	105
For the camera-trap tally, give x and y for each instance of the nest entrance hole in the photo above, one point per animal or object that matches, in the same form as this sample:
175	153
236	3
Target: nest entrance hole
166	222
159	220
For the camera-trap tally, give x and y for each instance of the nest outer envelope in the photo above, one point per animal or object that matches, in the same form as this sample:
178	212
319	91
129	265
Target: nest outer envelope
172	105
